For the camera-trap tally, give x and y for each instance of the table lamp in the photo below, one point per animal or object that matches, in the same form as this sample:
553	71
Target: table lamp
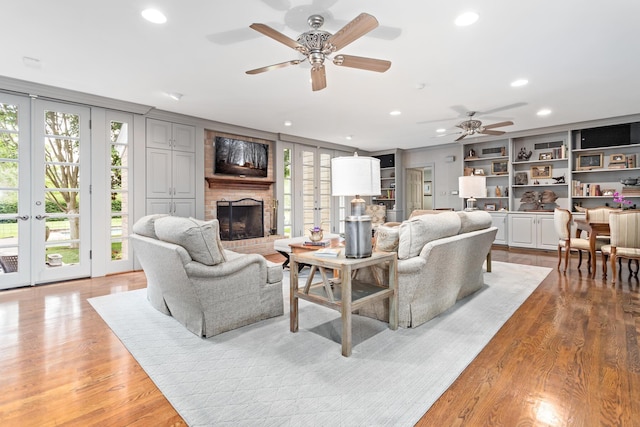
356	176
471	186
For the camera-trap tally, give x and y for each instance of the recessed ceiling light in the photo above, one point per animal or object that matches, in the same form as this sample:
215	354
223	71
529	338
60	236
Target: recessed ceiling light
395	113
441	130
287	123
349	137
519	82
544	112
175	96
466	18
154	15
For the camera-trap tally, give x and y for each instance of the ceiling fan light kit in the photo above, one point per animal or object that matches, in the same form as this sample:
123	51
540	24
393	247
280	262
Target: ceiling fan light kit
317	45
473	126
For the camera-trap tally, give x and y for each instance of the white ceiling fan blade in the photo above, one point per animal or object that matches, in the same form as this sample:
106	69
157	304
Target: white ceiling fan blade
497	125
369	64
355	29
318	78
273	67
491	132
277	36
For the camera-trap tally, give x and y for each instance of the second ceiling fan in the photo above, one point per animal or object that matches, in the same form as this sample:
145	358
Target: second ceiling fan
472	126
317	45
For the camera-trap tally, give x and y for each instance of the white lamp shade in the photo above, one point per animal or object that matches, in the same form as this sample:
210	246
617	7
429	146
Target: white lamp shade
472	186
355	175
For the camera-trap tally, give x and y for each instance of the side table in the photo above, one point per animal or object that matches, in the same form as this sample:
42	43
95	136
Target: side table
344	294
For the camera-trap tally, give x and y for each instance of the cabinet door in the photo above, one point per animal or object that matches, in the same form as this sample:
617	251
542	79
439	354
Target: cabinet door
184	207
184	183
159	206
500	222
184	137
158	134
159	177
522	231
547	237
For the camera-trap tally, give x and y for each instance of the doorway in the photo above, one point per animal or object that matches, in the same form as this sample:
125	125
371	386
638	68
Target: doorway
44	191
420	188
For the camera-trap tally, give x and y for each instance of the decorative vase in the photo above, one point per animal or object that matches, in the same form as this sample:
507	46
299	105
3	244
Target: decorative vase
315	236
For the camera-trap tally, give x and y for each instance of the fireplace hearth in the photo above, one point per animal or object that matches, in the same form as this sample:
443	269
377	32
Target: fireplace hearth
240	219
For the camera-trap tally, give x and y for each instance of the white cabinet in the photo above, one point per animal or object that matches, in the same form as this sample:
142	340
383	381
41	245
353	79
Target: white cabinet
499	220
532	230
170	168
167	135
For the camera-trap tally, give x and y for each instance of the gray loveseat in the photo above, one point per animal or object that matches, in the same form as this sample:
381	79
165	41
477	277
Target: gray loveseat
440	260
191	277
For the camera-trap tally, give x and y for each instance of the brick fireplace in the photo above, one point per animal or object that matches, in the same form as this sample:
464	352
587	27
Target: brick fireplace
225	189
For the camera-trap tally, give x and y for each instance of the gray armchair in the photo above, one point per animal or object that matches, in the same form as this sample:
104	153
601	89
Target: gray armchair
206	288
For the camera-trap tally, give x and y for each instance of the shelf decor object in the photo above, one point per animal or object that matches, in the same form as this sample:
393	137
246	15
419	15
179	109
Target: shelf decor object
359	176
541	172
471	186
500	167
590	161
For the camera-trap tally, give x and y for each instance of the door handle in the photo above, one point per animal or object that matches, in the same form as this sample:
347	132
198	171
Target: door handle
22	217
41	217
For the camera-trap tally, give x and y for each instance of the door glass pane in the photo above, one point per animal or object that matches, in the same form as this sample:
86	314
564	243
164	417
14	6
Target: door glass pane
119	175
288	188
62	238
62	182
9	138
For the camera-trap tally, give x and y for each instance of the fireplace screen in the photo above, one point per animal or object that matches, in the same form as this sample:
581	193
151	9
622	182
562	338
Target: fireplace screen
241	219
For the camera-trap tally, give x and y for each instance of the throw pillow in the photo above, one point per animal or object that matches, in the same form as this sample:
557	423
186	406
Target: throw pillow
145	226
418	231
200	239
387	238
474	220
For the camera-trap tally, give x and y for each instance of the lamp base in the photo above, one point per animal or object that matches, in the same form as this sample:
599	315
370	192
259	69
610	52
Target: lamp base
471	204
358	236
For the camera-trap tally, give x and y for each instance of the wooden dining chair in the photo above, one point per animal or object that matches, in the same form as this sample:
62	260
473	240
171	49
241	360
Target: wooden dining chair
600	214
625	241
562	221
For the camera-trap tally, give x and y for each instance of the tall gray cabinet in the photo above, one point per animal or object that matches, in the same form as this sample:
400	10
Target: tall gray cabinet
170	168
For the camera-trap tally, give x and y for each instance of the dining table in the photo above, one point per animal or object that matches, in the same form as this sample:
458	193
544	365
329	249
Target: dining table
595	229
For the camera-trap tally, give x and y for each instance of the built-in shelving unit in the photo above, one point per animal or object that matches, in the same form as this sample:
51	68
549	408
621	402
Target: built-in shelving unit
391	180
491	160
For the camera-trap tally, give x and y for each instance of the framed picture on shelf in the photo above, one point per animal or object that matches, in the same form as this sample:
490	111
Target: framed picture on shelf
500	167
608	192
617	158
489	206
590	161
541	172
478	171
545	156
521	178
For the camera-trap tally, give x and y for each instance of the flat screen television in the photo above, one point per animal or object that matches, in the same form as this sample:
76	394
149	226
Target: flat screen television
240	158
606	136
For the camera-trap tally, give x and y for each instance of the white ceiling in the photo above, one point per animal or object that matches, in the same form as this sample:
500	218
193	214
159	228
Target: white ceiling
581	58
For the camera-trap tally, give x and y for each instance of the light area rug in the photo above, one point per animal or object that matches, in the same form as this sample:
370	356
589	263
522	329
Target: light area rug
264	375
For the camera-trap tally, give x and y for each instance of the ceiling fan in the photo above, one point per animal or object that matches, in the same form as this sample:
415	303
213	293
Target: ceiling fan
472	126
317	45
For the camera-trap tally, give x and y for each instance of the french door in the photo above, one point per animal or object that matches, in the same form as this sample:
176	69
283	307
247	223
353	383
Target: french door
315	189
44	191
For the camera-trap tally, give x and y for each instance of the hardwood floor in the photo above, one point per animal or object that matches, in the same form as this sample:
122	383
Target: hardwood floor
568	356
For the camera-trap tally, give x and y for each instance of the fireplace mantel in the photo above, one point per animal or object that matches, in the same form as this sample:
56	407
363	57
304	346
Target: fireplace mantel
240	182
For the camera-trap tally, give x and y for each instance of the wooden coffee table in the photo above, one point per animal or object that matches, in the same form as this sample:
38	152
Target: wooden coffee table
344	294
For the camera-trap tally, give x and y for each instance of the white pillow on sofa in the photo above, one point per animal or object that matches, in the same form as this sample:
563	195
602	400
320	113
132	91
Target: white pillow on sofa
418	231
145	226
201	239
474	220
